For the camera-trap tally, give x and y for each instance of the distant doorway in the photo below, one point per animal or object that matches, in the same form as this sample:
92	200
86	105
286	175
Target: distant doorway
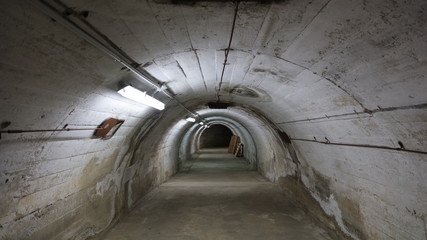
216	136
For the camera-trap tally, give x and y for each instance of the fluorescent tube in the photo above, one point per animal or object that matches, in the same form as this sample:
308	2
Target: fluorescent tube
190	119
141	97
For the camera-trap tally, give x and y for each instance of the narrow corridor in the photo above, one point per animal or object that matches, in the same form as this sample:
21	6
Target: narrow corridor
218	197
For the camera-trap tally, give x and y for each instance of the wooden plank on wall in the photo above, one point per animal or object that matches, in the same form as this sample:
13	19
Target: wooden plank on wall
233	143
239	150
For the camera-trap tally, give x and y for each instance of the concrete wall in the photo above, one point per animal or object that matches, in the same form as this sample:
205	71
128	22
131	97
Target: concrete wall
345	80
64	185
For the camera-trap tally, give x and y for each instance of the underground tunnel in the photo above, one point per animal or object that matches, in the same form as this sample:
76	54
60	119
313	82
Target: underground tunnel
169	119
216	136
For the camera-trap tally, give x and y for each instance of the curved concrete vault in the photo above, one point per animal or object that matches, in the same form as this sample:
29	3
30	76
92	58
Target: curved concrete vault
328	96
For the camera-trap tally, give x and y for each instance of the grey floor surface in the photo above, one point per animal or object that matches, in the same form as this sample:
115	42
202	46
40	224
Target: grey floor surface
218	198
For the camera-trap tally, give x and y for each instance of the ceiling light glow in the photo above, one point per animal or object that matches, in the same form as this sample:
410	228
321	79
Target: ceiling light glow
141	97
190	119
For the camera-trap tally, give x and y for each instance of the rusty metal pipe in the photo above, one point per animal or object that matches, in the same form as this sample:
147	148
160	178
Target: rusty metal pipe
49	130
360	145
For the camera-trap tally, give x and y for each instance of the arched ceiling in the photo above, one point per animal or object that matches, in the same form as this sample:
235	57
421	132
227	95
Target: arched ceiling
290	60
327	71
345	55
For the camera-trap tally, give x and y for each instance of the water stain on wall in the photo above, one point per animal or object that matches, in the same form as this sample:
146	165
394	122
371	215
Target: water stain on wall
260	70
322	185
293	186
352	217
343	100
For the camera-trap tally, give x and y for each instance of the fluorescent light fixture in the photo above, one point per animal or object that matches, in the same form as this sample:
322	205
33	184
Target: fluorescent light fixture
190	119
141	97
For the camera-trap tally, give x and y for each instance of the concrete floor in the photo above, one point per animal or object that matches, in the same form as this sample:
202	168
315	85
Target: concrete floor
218	198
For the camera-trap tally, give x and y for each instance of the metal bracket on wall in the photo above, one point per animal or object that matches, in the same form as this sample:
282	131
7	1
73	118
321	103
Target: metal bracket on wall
108	128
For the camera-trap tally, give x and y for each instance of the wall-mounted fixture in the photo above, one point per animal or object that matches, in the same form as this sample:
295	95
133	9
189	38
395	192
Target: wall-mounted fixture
141	97
108	128
120	56
190	119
